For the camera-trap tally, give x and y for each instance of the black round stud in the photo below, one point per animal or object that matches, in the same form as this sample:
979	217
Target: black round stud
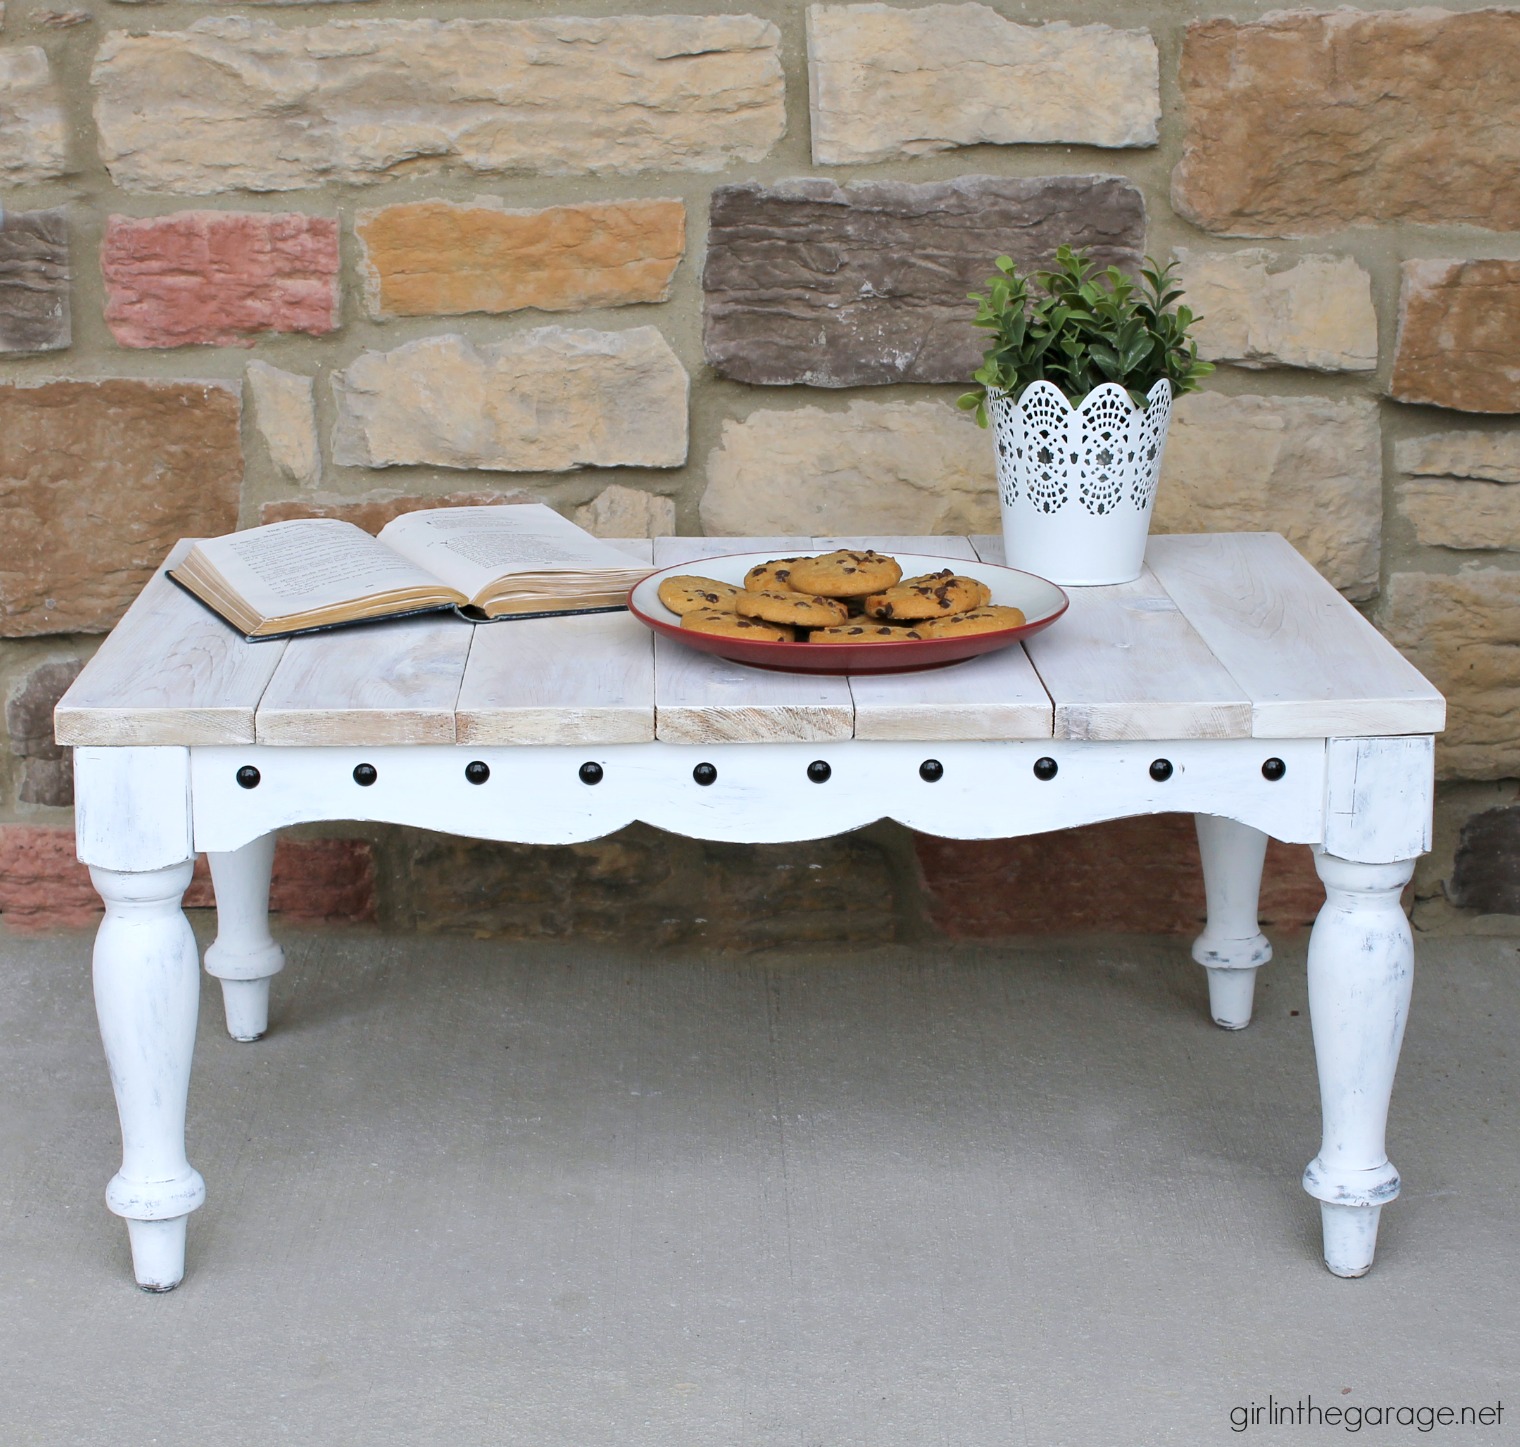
591	773
477	772
819	772
365	774
1161	770
705	774
248	777
1273	770
1046	769
931	771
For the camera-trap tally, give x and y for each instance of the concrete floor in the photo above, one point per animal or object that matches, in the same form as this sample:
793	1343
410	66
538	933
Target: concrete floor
472	1194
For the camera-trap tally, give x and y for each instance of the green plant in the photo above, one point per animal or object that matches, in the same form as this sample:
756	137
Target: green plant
1078	327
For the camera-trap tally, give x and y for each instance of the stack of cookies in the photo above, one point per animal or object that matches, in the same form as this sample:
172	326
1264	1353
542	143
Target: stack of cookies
839	597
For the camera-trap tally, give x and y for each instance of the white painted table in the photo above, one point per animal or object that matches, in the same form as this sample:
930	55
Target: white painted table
1230	682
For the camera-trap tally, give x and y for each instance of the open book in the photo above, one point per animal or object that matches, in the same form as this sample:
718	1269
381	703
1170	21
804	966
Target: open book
512	559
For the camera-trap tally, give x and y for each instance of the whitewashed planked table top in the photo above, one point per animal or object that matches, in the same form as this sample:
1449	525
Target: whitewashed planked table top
1223	636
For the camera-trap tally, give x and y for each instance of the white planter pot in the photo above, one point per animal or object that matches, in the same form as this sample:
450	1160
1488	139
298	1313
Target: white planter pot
1077	484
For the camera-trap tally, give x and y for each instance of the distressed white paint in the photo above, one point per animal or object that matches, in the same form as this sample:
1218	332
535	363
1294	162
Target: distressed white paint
147	993
1232	947
392	683
1312	666
762	794
1361	970
170	673
1380	797
132	806
244	956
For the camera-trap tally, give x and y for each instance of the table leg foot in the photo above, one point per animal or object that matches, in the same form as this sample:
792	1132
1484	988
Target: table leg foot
1350	1237
244	956
158	1252
1232	947
1361	972
147	996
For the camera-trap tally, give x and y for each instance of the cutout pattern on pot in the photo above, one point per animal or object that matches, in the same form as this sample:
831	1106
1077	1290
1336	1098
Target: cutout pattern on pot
1044	465
1150	436
1108	448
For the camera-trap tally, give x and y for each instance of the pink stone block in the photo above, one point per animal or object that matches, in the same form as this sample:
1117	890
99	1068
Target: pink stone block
218	278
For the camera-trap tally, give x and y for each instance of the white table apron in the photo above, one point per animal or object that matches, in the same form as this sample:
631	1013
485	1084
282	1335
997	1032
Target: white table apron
1364	803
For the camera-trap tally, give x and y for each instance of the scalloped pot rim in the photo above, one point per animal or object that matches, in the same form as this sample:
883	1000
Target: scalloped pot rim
1091	400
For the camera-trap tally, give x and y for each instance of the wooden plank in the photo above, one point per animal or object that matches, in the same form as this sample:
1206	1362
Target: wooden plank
703	699
1311	665
998	696
586	680
171	672
1125	664
389	683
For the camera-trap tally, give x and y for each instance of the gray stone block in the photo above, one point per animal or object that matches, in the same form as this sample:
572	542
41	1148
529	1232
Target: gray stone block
34	281
811	282
1486	875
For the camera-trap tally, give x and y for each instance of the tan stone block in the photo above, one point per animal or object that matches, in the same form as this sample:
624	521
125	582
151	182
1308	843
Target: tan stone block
34	132
1260	309
887	82
1462	631
548	400
1307	467
1447	513
285	412
237	103
435	258
626	512
1493	456
373	512
1459	335
98	480
1305	121
875	467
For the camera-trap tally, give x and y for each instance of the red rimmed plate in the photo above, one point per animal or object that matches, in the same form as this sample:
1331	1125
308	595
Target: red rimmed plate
1042	603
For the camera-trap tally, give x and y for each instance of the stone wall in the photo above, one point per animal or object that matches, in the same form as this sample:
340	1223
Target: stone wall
240	240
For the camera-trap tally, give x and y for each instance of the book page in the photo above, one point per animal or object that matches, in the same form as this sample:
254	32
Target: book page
309	563
471	547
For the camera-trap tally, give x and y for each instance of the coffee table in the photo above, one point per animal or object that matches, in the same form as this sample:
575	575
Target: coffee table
1230	681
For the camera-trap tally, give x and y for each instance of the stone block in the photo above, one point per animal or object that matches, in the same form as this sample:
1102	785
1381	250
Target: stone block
435	258
548	400
1069	882
284	408
1491	456
642	884
219	278
44	887
875	467
1486	871
832	286
1459	334
47	770
98	480
372	513
1307	467
34	281
34	131
1465	515
627	512
1462	631
886	82
244	104
1305	121
1261	309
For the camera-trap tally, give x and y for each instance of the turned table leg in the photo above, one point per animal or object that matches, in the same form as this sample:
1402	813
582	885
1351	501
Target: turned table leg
1361	969
1232	946
147	995
243	956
